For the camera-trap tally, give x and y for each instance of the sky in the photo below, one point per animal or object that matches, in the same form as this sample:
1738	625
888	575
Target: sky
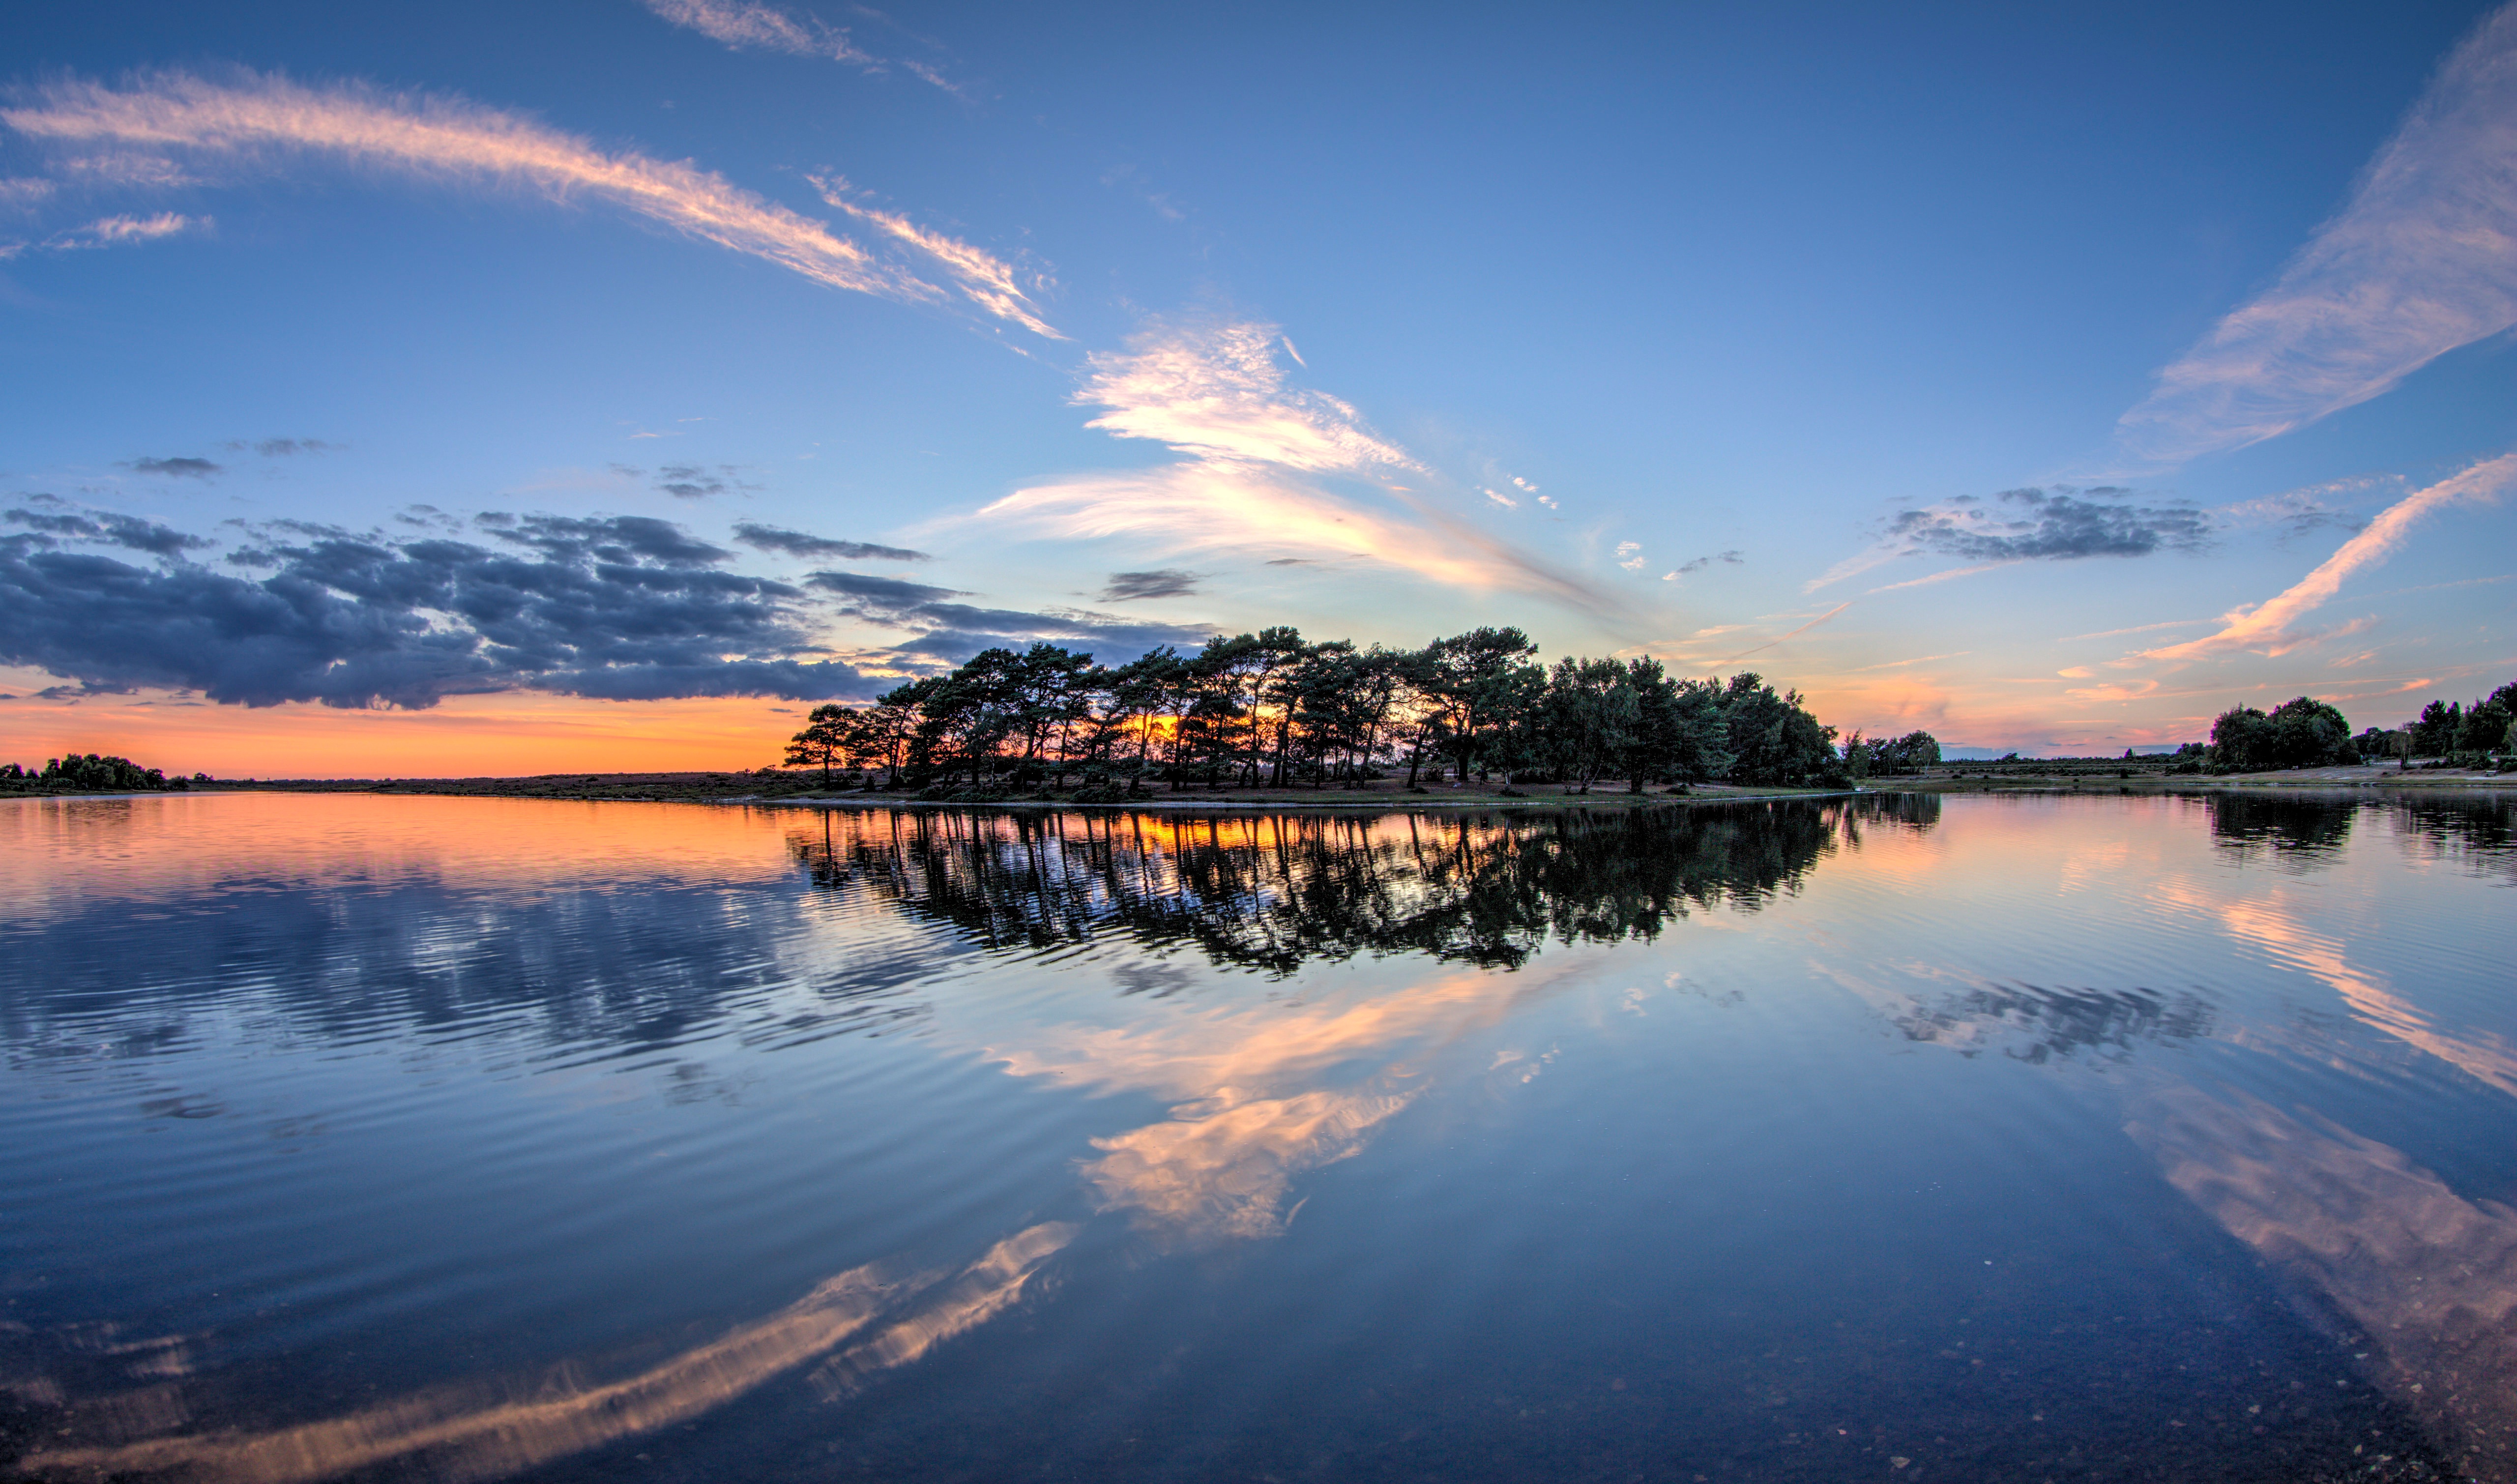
599	384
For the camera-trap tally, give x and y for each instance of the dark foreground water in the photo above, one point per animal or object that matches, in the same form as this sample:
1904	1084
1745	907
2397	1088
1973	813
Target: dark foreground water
2051	1138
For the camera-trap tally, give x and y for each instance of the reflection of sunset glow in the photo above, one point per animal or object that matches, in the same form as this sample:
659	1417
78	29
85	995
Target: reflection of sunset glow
1228	1055
468	1435
174	845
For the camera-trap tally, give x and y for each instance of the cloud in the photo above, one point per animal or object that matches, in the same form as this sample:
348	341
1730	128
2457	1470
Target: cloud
1215	392
1950	575
1898	664
117	530
880	598
797	543
193	468
2140	629
1500	498
2424	259
1791	634
107	232
2051	526
2305	511
2268	626
1246	508
1162	582
282	447
257	120
1253	480
984	280
746	26
1732	558
689	481
948	632
623	608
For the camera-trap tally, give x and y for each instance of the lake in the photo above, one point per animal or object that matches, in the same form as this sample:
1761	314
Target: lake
1996	1137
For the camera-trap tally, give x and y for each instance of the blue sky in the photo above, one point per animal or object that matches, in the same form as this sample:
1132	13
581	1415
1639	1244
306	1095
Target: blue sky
2047	378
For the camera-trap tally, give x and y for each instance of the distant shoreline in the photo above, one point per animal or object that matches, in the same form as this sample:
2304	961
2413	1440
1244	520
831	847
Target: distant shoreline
744	789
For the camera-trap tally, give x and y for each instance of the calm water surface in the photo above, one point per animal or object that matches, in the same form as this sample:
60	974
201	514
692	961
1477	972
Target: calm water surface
1988	1138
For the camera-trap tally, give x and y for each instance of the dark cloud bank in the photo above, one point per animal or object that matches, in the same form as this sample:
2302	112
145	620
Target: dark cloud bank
194	468
1164	582
2055	524
951	632
618	608
797	543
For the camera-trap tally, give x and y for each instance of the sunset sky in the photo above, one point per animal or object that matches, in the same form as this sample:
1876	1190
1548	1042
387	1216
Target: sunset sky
596	384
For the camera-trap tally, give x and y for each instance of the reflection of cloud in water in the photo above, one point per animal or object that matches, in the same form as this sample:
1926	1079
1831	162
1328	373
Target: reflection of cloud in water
2287	941
481	1432
1225	1174
2429	1276
2035	1024
1220	1166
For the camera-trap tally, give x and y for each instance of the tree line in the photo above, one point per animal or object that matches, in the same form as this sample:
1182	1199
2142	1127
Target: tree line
2306	733
74	773
1272	709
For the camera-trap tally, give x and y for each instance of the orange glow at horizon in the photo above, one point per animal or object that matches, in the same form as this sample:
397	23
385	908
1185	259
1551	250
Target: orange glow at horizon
512	735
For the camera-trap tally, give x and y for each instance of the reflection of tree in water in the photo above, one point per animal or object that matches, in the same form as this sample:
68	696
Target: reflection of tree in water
2037	1025
1272	892
2471	832
2299	830
2305	832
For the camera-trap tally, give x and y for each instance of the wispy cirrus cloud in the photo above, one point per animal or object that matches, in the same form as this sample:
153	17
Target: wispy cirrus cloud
254	121
743	26
1256	479
2270	626
746	26
2423	260
281	447
109	231
984	278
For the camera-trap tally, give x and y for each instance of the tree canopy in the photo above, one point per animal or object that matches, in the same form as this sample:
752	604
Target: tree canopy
89	772
1271	707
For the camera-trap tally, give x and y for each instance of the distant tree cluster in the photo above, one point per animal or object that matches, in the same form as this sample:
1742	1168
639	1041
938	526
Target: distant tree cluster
1890	756
2303	733
74	773
1272	709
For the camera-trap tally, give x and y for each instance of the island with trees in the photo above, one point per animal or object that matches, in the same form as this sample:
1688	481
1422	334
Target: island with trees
89	772
1271	711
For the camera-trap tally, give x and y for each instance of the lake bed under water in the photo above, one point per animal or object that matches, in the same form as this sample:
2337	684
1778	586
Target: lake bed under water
2035	1137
